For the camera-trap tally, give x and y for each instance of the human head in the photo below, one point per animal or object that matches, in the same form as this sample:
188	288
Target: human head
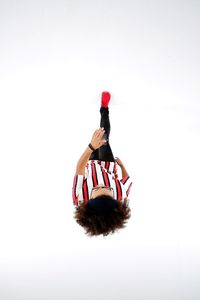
105	218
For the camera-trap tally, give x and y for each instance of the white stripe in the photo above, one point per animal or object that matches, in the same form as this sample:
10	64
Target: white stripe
103	164
79	191
123	190
89	181
99	174
80	196
126	185
113	185
111	167
79	184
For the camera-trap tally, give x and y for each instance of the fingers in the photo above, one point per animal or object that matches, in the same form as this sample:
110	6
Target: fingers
103	142
118	160
99	132
97	138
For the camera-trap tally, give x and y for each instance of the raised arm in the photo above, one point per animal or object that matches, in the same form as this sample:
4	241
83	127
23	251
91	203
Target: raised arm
124	171
126	180
96	143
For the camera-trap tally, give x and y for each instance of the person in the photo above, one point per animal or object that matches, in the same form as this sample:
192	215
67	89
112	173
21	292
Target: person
99	196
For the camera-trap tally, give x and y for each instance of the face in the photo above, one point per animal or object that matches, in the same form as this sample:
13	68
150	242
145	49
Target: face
101	190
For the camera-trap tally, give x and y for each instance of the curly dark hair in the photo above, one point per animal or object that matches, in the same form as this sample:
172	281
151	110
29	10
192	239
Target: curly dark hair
104	224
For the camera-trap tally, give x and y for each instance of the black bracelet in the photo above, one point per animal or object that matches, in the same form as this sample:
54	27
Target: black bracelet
91	147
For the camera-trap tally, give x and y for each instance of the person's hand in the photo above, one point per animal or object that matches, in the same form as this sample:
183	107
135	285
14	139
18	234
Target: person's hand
118	161
97	140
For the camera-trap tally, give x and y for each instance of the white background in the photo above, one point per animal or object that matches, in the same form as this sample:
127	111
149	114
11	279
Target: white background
56	58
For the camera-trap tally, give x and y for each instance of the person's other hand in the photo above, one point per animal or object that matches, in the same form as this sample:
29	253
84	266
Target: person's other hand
118	161
97	140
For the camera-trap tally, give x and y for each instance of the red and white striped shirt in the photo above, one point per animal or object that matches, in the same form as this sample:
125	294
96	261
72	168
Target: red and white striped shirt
100	172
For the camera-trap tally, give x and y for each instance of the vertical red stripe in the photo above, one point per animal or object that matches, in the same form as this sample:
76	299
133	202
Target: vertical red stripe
103	175
106	178
94	175
85	191
119	192
95	172
107	165
115	168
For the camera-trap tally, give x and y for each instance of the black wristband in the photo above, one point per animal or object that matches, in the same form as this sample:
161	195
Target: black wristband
91	147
